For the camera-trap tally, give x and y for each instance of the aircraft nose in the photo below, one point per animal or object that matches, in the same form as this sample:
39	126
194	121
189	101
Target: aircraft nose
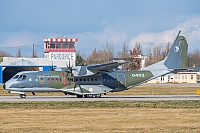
4	86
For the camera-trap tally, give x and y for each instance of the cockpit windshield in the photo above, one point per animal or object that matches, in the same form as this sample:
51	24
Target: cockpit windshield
16	77
23	77
20	77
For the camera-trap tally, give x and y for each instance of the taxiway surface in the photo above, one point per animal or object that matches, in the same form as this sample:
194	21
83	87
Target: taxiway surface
103	98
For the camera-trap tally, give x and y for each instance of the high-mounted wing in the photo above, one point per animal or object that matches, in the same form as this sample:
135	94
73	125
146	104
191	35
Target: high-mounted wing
95	69
107	67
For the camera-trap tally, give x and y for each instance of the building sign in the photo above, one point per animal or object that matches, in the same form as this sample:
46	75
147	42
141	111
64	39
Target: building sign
62	56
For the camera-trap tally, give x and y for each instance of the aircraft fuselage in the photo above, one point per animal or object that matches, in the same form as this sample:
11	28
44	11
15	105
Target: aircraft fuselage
60	81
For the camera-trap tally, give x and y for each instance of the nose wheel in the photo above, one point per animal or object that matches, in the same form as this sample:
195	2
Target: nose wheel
23	95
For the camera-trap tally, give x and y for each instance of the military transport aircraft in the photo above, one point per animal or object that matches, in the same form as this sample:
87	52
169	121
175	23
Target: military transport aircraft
95	80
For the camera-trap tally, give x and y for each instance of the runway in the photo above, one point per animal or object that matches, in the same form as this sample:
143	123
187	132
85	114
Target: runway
103	98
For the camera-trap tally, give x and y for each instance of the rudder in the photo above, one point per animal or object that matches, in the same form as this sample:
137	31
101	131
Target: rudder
177	56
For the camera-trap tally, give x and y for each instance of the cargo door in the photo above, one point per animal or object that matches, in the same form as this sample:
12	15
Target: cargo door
121	80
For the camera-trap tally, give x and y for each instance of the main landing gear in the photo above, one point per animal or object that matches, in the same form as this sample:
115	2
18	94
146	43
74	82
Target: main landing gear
23	95
89	96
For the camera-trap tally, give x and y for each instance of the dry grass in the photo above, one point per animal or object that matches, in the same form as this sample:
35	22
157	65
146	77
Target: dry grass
124	116
161	89
100	120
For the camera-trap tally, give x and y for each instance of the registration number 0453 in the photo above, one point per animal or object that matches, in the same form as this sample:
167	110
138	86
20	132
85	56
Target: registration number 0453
138	75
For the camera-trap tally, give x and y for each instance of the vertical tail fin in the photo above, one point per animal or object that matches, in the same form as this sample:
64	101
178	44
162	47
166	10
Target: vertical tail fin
177	56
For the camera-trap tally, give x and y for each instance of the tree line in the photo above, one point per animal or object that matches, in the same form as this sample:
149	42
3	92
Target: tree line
132	57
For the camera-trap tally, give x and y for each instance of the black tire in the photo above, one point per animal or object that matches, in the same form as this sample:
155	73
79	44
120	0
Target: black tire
97	95
79	96
89	96
23	95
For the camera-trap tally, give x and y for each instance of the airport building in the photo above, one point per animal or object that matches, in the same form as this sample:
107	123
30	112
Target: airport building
58	52
178	78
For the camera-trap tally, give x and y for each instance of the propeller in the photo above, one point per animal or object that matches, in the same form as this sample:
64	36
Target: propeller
69	70
69	73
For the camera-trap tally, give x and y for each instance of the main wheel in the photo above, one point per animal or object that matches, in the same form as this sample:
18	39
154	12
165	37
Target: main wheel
88	95
23	95
79	96
97	95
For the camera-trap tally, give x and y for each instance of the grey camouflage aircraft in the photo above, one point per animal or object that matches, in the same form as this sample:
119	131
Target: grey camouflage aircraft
95	80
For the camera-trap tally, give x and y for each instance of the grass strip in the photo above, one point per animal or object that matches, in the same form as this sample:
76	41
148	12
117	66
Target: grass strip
102	104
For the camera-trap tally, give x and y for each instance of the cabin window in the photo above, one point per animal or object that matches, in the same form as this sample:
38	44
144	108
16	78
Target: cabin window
84	79
60	79
80	79
76	79
56	79
48	79
52	79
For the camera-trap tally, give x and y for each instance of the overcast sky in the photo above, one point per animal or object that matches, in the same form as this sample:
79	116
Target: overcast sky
96	22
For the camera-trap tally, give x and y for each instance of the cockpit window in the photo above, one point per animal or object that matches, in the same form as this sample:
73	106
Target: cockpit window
24	77
16	76
20	77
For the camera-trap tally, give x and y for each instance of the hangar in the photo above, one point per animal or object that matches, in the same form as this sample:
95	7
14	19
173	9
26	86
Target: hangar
57	52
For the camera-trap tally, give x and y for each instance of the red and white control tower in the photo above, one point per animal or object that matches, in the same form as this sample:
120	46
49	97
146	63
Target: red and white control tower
60	49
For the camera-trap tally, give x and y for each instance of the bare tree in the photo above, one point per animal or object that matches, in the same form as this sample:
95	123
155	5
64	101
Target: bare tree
109	51
19	53
159	53
124	52
193	59
101	56
4	54
135	58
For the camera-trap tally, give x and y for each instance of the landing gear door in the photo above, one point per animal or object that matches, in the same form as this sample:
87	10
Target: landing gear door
121	80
